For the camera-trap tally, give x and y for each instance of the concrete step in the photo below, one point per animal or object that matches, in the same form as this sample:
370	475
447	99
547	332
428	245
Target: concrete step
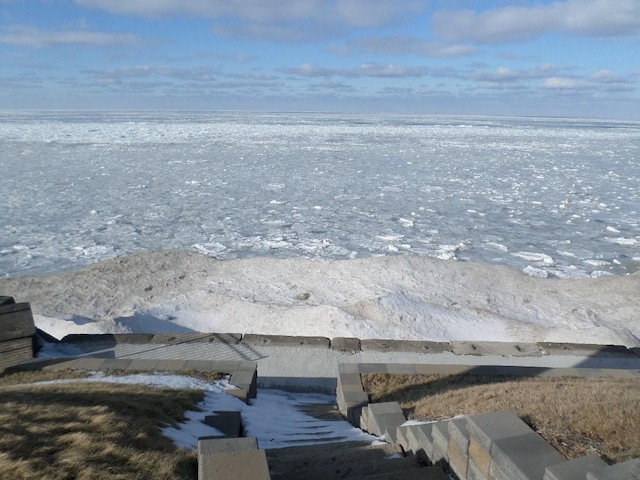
340	460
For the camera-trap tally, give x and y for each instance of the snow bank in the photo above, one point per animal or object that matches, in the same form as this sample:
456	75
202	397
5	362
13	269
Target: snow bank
404	297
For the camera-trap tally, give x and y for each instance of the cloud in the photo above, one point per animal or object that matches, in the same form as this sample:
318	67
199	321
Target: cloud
120	75
277	20
363	70
34	38
405	45
601	18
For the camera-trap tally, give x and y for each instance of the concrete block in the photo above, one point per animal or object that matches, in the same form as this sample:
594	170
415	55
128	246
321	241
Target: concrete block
170	365
86	363
345	344
575	469
228	422
71	364
384	419
245	465
440	434
350	405
373	368
629	470
584	349
143	364
200	366
115	364
246	377
227	338
410	346
108	338
223	445
480	457
486	428
349	368
504	349
422	443
524	457
474	473
285	341
458	458
401	368
429	369
458	432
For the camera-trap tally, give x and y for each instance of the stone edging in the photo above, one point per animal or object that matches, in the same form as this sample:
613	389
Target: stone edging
496	445
355	345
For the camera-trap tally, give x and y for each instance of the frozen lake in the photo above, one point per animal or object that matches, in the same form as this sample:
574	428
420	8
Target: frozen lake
551	197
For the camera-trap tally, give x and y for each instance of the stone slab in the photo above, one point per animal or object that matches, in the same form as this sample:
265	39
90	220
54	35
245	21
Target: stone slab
115	364
200	366
575	469
373	368
629	470
440	433
349	368
410	346
87	363
480	457
524	457
108	338
346	344
428	369
180	338
71	364
246	465
401	368
246	380
458	459
227	422
486	428
504	349
458	433
285	341
222	445
170	365
584	349
143	364
474	473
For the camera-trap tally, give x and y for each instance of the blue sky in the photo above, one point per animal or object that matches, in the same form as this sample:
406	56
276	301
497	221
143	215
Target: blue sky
561	58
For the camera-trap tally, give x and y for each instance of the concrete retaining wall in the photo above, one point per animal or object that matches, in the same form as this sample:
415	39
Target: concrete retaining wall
355	345
492	446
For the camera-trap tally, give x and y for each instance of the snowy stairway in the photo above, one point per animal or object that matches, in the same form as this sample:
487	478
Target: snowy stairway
347	460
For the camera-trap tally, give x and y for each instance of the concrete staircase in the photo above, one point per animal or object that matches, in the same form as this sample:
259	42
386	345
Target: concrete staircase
347	460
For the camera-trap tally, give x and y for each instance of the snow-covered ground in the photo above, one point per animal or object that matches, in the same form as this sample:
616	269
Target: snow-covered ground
273	417
400	297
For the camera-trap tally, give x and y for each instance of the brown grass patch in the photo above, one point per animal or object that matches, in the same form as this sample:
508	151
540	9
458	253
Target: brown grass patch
90	430
578	416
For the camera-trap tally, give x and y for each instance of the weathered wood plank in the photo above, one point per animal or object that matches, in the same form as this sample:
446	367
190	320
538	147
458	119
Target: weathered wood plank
9	359
16	321
18	343
6	300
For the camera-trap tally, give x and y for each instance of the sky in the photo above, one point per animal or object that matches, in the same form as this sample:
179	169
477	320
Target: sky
570	58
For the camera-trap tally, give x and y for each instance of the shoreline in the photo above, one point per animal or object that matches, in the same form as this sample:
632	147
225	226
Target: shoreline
405	297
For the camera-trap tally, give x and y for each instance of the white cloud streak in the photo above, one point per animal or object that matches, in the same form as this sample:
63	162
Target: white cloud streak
35	38
599	18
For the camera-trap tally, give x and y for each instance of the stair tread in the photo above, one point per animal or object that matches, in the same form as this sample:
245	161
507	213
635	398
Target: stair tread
346	460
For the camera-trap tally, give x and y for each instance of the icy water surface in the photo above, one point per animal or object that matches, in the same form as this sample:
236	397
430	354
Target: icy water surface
547	196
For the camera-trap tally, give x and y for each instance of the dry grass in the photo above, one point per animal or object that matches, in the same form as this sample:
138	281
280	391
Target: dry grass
577	416
90	431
